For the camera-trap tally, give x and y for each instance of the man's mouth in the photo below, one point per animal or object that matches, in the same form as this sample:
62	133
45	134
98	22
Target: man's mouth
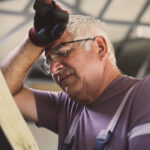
62	79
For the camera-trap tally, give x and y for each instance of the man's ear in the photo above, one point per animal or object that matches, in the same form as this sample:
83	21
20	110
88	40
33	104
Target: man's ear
101	46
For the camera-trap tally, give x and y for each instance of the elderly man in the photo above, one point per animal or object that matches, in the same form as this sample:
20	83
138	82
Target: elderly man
82	62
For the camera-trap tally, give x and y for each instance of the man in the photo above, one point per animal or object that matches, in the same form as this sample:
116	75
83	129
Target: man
82	62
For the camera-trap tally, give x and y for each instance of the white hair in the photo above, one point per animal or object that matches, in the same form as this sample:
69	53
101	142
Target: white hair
82	27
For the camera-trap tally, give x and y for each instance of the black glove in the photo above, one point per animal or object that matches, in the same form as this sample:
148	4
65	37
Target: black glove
49	23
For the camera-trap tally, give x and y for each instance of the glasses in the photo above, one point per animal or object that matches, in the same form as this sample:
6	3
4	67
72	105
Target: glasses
56	55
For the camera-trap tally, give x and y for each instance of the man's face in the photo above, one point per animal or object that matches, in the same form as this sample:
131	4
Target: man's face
78	71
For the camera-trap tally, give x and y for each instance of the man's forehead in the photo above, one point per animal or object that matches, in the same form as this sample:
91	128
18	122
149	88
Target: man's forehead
64	38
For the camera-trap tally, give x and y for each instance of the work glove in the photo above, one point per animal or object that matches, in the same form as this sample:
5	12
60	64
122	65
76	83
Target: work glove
49	23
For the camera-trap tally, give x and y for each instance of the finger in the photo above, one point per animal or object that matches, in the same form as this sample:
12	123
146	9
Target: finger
47	1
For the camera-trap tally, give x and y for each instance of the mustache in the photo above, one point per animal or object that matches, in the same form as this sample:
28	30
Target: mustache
62	73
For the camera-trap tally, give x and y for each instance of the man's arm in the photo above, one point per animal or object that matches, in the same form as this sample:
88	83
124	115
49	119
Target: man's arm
14	68
49	24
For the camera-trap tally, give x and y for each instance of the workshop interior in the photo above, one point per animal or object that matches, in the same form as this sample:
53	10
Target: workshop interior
127	23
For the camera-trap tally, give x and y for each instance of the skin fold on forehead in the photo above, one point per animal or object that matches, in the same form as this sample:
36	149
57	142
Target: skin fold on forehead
64	38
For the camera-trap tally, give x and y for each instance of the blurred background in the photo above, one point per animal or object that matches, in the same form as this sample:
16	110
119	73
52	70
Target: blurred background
127	24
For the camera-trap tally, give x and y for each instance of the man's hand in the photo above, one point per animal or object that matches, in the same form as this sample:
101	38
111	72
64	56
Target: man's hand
49	23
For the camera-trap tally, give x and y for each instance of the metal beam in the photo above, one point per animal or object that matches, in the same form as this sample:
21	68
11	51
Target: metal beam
28	5
104	9
137	20
16	28
108	21
14	13
132	27
77	4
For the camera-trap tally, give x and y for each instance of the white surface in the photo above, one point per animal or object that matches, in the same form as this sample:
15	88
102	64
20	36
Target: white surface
46	139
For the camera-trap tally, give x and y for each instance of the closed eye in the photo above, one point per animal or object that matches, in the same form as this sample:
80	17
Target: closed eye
60	54
63	54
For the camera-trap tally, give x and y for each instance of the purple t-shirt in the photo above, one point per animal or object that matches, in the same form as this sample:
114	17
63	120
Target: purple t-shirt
56	112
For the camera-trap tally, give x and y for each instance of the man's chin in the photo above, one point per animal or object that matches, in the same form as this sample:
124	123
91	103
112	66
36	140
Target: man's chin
74	95
71	92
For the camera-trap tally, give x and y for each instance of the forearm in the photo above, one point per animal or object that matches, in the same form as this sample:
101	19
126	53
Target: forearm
18	62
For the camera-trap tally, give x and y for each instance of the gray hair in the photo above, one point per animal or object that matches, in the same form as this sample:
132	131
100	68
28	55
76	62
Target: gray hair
81	27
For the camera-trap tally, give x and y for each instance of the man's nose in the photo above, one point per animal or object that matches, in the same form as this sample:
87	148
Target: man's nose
55	67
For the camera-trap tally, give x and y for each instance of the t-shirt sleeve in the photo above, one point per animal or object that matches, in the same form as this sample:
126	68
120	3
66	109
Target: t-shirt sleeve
47	104
139	130
55	110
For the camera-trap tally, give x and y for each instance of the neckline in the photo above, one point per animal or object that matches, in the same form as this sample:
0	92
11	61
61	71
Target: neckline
108	88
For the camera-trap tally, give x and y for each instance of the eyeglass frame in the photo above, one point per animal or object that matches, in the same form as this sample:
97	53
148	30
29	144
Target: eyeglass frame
46	63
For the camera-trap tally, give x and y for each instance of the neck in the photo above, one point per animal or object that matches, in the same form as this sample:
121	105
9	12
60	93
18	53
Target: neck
110	76
110	73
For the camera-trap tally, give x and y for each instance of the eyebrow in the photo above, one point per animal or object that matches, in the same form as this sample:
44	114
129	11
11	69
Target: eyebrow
54	51
61	52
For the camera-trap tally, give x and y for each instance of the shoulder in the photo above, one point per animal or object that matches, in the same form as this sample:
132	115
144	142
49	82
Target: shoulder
140	107
50	95
144	84
142	91
139	126
59	99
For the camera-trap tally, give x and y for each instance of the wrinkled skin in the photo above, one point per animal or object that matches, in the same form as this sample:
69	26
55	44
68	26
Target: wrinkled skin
82	74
